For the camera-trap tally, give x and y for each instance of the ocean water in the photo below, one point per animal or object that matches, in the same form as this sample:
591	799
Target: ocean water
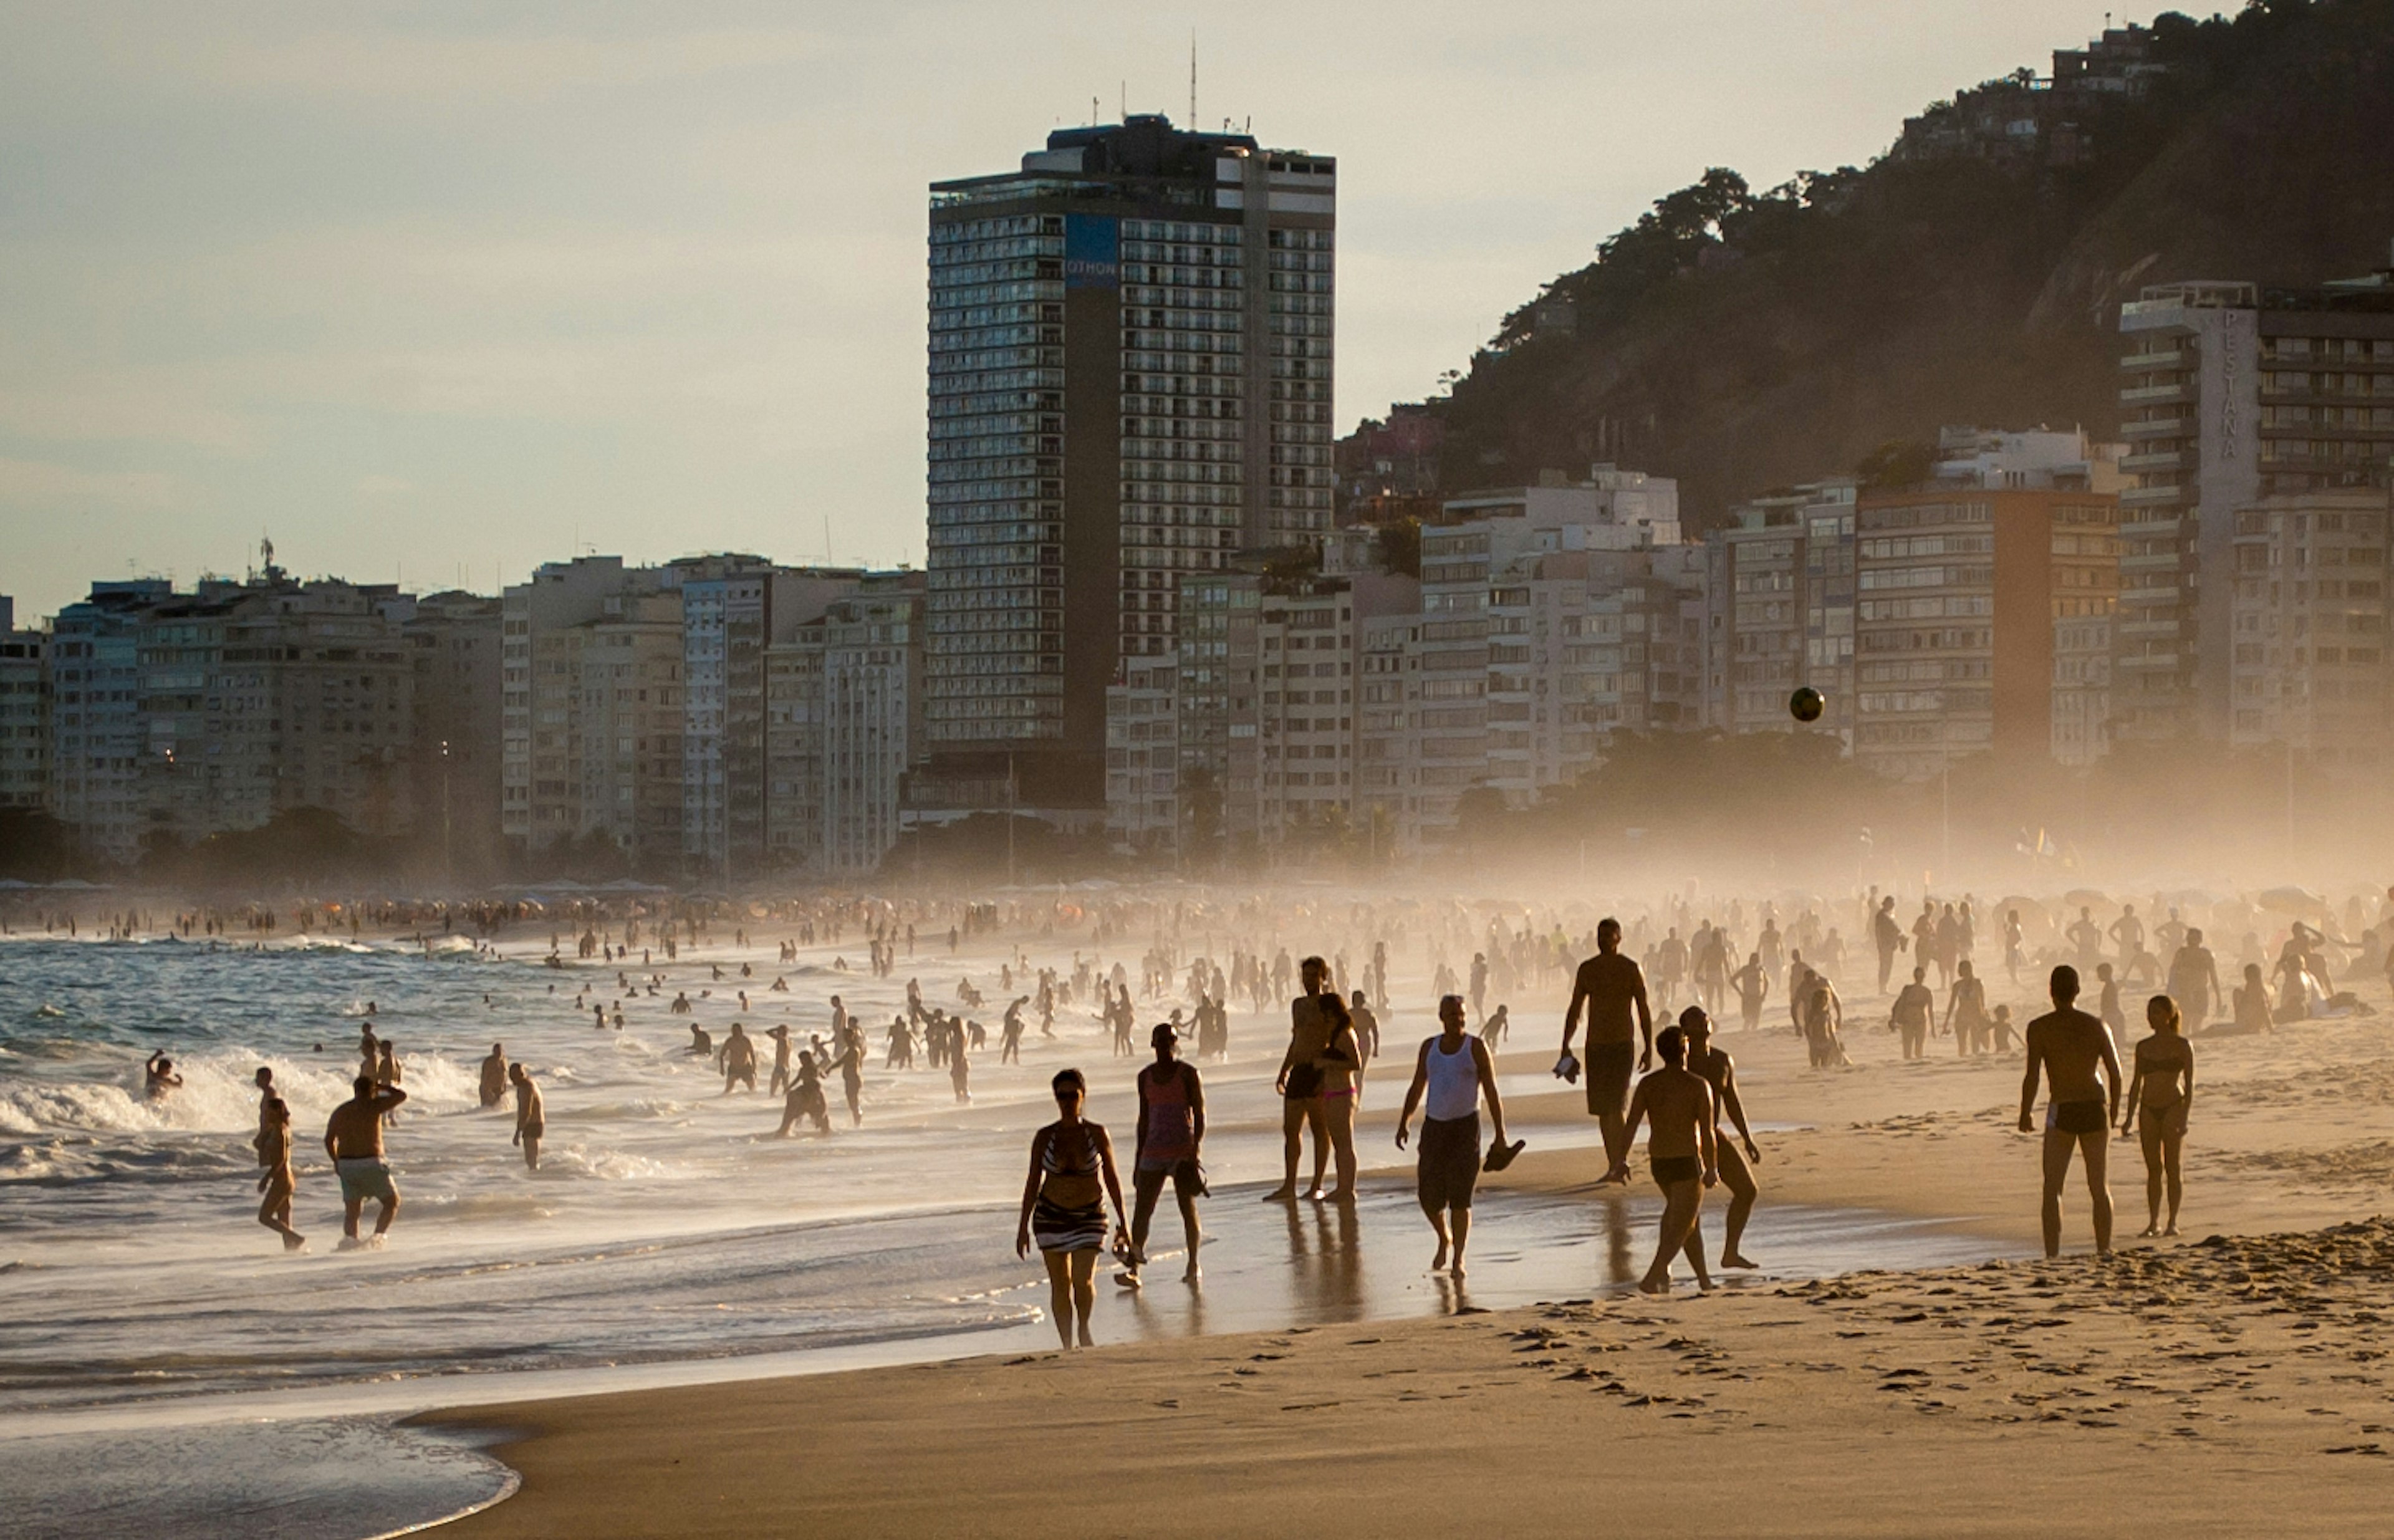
667	1235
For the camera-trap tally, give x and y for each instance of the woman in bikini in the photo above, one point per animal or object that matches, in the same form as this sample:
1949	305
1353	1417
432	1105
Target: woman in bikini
1064	1206
2161	1089
1341	1089
276	1182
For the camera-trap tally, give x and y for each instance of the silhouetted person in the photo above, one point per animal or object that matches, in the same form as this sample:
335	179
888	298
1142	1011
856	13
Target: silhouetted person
2073	1052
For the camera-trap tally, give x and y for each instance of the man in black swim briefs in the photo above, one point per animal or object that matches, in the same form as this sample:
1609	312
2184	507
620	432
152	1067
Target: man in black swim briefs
1610	986
2074	1053
1682	1152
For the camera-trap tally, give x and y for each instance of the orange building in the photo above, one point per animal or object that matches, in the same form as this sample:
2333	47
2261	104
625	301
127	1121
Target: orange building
1959	592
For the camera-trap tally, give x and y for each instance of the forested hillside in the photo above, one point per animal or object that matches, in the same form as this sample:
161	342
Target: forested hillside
1739	339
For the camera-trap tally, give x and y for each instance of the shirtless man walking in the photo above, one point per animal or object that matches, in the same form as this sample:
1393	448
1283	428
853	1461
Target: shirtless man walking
353	1138
1611	987
1681	1150
530	1123
2074	1053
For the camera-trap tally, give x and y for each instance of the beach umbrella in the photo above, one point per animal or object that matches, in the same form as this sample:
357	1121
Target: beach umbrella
2292	901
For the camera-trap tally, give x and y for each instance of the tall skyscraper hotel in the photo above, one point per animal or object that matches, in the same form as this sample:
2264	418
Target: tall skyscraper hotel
1129	379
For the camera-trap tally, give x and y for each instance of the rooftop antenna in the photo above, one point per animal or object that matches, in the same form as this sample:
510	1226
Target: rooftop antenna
1123	87
1093	111
1192	77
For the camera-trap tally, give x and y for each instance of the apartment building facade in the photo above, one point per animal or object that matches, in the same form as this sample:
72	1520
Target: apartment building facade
1130	370
24	712
1959	592
2230	392
2309	618
454	640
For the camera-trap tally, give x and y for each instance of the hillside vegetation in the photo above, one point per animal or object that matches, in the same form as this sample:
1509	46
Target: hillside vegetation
1740	339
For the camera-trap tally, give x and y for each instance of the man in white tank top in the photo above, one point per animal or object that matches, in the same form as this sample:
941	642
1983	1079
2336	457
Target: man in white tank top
1455	1072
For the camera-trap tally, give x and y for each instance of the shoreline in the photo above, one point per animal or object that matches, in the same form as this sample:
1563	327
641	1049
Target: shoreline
1875	1402
1993	1399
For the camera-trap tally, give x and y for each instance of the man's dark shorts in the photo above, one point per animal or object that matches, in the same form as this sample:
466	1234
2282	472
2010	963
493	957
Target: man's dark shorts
1608	1069
1146	1182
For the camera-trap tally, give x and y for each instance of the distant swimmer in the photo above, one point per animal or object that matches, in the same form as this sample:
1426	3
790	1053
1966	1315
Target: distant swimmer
389	1074
959	1067
264	1080
702	1046
159	1080
2074	1054
1009	1040
495	1076
1680	1149
737	1059
1064	1206
1612	988
780	1081
530	1123
1452	1073
850	1064
1171	1135
275	1180
2161	1090
353	1138
1720	1073
805	1099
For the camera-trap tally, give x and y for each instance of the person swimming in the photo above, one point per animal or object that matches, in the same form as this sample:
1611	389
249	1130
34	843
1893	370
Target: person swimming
159	1080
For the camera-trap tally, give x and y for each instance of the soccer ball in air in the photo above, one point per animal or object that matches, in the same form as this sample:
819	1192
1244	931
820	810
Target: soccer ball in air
1806	705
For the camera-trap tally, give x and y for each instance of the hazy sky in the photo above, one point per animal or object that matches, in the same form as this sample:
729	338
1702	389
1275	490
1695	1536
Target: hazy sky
440	290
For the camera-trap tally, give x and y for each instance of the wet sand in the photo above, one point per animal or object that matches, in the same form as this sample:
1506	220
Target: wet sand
2234	1373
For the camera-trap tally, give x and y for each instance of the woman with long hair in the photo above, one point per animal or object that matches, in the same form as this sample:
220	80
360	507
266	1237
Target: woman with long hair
2161	1089
1342	1090
1064	1206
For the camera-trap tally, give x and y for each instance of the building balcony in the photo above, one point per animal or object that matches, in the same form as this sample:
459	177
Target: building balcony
2153	596
2163	562
2158	428
2145	663
2159	460
2156	395
2141	498
2145	364
2149	528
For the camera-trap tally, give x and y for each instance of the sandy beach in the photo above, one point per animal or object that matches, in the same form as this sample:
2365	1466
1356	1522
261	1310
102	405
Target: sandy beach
2233	1374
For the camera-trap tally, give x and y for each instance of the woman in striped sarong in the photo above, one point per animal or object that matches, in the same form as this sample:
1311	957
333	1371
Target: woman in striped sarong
1064	1206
